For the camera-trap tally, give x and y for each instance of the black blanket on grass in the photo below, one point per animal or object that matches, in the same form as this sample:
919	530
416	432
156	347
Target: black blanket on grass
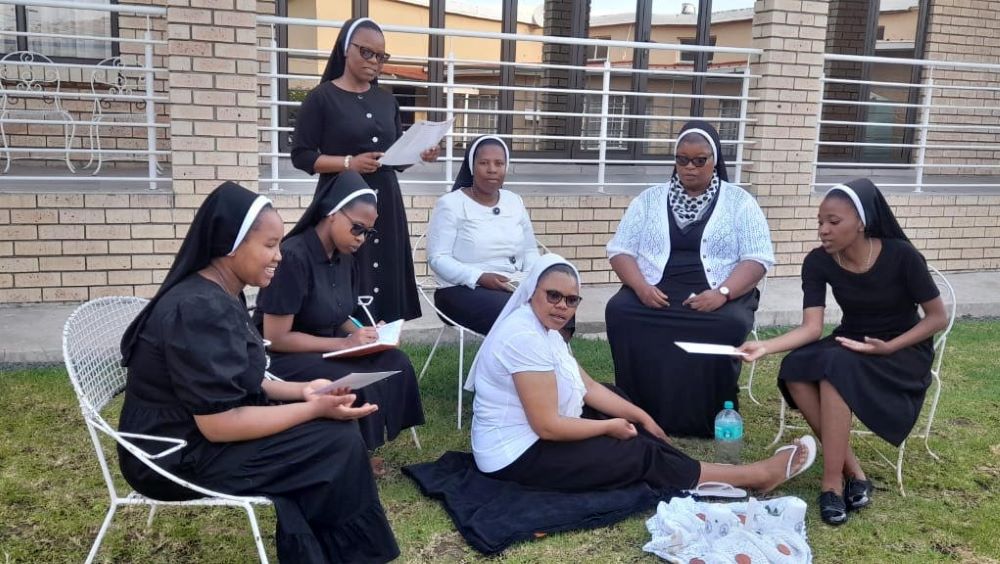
494	514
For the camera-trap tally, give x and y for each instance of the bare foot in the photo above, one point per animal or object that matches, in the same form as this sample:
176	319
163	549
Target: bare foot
378	466
776	466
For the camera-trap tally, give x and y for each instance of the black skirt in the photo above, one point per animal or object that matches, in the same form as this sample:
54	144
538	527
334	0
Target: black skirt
397	397
885	392
683	392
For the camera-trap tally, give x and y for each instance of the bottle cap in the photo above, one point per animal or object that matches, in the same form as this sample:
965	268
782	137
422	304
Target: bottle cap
727	405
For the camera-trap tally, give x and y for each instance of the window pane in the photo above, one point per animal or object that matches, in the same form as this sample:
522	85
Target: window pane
8	22
475	74
70	22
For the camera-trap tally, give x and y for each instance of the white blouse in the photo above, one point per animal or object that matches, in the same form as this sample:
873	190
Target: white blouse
736	231
500	429
466	239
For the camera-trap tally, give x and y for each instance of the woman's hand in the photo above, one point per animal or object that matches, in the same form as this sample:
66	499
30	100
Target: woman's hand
653	429
494	281
309	391
363	336
620	429
431	155
871	345
365	163
709	300
652	297
753	350
339	407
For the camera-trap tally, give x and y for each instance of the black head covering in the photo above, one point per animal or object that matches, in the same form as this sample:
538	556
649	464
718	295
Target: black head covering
330	197
872	208
464	178
337	62
219	226
708	133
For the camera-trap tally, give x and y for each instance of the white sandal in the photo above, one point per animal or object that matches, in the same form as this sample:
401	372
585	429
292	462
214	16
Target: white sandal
809	443
719	490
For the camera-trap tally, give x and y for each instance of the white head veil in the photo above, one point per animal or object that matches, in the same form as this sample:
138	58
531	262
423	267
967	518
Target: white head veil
521	296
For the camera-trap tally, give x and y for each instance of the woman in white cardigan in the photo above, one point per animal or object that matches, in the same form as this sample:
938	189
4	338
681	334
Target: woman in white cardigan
689	254
479	240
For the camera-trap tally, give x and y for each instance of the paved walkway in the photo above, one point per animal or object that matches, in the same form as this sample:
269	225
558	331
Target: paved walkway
32	334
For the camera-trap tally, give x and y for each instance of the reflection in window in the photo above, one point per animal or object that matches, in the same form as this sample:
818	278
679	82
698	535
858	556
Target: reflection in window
688	56
591	125
70	22
8	22
477	122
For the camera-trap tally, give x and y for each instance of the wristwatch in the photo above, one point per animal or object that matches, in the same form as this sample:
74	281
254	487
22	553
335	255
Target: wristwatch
725	292
347	162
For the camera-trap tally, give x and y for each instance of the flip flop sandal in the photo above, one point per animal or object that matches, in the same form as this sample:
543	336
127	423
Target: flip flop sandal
807	442
857	493
832	509
717	490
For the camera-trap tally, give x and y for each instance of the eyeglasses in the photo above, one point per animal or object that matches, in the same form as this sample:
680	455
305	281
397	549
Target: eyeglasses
367	54
555	296
358	228
697	161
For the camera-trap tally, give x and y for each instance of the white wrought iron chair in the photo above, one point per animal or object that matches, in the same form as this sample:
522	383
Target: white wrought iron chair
111	80
32	78
91	341
756	336
920	431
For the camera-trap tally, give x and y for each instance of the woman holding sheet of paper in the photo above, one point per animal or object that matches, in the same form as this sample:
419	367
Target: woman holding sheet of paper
347	123
689	254
479	241
306	310
196	373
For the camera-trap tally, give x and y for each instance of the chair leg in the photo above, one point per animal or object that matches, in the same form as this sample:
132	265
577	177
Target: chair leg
256	533
100	155
69	142
6	148
416	439
103	531
930	416
781	424
152	513
431	355
461	369
90	143
753	367
899	469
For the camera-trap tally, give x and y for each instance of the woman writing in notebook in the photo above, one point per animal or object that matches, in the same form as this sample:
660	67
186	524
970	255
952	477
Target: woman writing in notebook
305	311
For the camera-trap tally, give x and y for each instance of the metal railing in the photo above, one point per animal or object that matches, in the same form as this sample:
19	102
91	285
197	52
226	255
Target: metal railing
940	132
26	100
599	131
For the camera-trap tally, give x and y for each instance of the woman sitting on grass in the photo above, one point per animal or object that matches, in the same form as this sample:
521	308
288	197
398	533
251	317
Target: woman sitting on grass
877	362
541	421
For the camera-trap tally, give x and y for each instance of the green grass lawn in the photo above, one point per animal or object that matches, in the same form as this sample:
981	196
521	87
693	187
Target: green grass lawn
52	498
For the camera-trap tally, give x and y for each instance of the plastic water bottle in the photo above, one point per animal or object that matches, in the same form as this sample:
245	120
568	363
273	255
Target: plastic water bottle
728	435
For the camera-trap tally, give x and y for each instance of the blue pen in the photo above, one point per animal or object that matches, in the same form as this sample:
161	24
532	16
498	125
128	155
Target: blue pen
355	322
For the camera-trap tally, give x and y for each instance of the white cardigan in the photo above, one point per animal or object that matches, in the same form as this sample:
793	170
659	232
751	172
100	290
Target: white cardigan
466	239
736	231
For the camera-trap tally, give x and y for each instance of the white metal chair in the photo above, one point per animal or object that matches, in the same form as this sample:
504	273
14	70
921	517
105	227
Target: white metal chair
756	336
108	82
920	431
30	76
91	340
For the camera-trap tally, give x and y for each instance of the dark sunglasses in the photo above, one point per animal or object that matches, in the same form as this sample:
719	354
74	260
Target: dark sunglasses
555	296
697	161
367	54
358	228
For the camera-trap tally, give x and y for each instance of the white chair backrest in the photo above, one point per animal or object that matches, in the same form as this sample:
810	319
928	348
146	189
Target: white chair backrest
950	305
28	71
112	78
92	349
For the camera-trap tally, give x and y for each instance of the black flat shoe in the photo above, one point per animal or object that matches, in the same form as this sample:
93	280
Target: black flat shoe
832	509
857	493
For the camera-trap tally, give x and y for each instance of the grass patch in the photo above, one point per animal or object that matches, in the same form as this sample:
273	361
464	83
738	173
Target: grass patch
52	497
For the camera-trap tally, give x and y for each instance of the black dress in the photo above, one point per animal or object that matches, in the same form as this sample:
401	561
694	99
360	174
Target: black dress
321	292
885	392
198	355
682	392
333	121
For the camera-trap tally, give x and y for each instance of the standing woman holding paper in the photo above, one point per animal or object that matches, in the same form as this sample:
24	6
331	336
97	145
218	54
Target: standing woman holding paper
347	123
305	311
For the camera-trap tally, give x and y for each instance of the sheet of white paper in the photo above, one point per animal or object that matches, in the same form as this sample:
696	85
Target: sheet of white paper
388	334
356	381
415	140
705	348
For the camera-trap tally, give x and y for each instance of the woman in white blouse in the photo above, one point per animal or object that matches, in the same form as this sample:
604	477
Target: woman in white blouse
479	241
689	254
541	421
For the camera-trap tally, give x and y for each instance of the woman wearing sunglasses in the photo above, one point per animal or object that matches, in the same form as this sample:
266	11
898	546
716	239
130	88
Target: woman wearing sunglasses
346	123
540	420
689	254
306	310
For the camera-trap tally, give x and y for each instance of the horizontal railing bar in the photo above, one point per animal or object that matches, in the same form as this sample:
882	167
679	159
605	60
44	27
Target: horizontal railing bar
903	165
64	122
911	125
82	150
88	177
911	145
874	83
573	114
81	95
556	161
911	62
120	8
277	20
904	105
108	39
131	70
922	184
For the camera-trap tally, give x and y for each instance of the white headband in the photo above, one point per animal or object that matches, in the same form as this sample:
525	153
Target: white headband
854	198
354	26
703	133
475	146
251	216
350	197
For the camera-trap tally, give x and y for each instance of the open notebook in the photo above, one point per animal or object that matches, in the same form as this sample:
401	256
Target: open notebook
388	338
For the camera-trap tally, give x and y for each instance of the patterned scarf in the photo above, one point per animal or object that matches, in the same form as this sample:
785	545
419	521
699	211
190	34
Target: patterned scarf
687	209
